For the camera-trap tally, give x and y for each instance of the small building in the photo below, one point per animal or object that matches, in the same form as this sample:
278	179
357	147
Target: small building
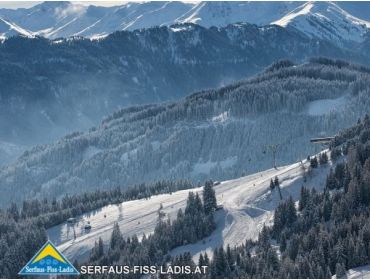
71	220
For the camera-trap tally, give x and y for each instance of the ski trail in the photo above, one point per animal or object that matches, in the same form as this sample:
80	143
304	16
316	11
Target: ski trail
247	202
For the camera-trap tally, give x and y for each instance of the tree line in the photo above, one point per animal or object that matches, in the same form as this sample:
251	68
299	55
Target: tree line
328	233
192	224
23	227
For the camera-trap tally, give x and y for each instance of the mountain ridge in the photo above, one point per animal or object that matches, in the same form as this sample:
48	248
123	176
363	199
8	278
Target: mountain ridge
67	19
70	84
221	133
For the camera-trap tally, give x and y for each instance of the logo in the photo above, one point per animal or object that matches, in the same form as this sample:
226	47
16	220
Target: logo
48	261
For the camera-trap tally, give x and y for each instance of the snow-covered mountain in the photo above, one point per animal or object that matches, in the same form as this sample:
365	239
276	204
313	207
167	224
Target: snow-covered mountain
221	133
53	87
8	29
223	13
325	20
65	19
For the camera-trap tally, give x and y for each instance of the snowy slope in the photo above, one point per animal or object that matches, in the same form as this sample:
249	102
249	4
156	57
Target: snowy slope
325	20
8	29
65	19
316	19
248	204
361	272
223	13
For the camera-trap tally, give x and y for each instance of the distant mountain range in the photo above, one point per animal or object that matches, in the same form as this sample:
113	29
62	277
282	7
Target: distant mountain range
52	87
340	21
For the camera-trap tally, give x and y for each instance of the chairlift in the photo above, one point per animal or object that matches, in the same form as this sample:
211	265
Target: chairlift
87	226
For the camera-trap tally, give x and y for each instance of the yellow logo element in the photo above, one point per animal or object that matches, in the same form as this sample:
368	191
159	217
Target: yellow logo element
48	251
49	261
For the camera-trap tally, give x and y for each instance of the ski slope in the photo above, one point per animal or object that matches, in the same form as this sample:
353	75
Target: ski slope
247	203
361	272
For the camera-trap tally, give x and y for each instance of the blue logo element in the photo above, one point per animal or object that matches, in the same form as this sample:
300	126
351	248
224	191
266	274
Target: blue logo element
48	261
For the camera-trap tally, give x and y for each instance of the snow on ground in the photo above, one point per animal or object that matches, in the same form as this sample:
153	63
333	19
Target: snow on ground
325	20
9	29
247	203
325	106
361	272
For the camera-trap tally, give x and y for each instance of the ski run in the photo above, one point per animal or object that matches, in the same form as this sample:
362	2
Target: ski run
248	204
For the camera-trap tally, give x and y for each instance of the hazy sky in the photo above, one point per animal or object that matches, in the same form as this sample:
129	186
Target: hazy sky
27	4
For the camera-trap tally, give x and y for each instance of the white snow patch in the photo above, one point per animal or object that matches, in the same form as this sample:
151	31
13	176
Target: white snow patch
361	272
325	106
90	152
221	117
178	29
136	80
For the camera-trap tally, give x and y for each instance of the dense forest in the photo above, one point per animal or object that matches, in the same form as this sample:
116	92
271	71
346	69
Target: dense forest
328	233
323	235
220	134
192	224
70	84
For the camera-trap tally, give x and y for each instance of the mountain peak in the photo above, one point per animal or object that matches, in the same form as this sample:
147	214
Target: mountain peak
325	20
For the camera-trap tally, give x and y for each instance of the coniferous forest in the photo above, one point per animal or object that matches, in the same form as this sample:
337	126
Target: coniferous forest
185	140
326	234
191	225
23	227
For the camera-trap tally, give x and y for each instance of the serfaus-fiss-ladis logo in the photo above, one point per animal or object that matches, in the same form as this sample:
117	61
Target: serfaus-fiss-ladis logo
48	261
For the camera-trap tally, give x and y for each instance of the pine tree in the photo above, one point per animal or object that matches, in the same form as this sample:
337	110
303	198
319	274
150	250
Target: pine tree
101	247
13	211
324	158
277	185
291	211
305	196
116	237
340	270
209	198
313	162
272	185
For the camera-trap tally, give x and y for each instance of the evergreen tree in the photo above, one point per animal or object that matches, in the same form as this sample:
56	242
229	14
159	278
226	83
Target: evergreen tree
272	185
116	237
313	162
340	271
209	198
304	198
277	185
323	158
